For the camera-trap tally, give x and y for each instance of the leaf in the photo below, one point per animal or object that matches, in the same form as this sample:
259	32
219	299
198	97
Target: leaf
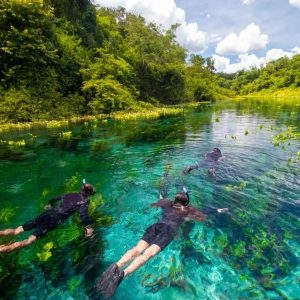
48	246
44	256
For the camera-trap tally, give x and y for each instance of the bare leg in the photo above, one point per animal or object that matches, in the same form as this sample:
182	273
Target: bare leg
9	231
142	259
133	253
17	245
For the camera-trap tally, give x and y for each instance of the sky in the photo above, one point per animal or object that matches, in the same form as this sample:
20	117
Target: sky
238	34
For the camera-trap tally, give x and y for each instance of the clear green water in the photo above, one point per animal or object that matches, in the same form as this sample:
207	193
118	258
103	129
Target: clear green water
252	254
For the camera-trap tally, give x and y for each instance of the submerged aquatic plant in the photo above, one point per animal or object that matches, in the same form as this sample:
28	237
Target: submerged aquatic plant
298	156
152	114
285	136
100	146
14	144
46	254
73	283
6	214
73	182
57	124
239	187
66	135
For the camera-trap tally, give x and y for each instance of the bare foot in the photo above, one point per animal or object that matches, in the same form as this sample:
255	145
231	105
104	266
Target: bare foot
9	231
19	230
212	172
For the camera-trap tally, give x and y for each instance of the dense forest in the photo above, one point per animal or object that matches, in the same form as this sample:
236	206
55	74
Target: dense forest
281	74
61	58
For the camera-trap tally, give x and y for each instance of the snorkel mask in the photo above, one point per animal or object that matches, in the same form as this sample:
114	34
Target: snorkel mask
183	198
88	188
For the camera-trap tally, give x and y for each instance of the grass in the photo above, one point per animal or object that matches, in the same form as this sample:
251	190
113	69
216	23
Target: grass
281	93
122	116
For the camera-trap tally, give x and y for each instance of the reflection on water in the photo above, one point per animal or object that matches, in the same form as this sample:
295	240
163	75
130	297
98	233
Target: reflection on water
251	253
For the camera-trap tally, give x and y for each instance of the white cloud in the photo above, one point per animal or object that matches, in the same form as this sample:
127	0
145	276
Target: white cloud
247	2
274	54
165	13
296	50
189	35
249	39
221	63
295	3
247	61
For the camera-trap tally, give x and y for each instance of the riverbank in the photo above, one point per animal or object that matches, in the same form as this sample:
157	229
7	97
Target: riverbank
122	115
282	93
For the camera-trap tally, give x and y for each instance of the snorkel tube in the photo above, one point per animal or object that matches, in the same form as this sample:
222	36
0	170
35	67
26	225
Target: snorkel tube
187	194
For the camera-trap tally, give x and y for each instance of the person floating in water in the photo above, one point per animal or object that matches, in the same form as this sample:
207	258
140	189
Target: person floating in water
211	159
154	240
54	216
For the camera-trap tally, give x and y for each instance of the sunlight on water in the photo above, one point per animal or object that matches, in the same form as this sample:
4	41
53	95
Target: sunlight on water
251	253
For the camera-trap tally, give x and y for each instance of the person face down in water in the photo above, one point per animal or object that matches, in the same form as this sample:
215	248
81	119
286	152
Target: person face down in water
53	217
155	239
211	159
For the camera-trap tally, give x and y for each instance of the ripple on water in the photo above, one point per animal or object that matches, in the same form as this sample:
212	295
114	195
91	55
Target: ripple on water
251	253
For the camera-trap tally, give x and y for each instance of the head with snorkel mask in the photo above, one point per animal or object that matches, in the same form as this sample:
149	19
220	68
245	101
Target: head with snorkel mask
87	188
182	198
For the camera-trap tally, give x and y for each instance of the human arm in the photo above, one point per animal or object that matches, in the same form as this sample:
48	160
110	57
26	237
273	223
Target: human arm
210	210
85	219
220	159
196	214
52	202
160	203
188	169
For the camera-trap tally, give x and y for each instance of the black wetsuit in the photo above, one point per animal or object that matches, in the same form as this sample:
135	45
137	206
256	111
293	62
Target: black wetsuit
52	217
210	160
164	231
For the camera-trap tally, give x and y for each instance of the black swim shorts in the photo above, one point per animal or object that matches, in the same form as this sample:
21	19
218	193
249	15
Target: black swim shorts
45	222
160	234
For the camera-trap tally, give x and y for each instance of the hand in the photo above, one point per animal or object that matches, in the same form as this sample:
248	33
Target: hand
48	206
89	231
222	210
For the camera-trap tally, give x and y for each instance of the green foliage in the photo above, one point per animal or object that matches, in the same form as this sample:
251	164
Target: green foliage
26	48
73	283
238	249
46	254
107	95
203	93
6	214
73	183
277	75
60	58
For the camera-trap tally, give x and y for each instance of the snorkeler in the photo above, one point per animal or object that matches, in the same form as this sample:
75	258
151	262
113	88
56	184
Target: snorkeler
211	159
154	240
54	216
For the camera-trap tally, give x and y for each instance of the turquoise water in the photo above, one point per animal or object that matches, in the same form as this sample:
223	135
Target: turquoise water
252	253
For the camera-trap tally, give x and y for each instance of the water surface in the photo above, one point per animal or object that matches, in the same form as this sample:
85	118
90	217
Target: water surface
252	253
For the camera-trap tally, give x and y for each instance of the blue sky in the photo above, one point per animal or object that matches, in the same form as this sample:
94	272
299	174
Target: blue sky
277	18
238	34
